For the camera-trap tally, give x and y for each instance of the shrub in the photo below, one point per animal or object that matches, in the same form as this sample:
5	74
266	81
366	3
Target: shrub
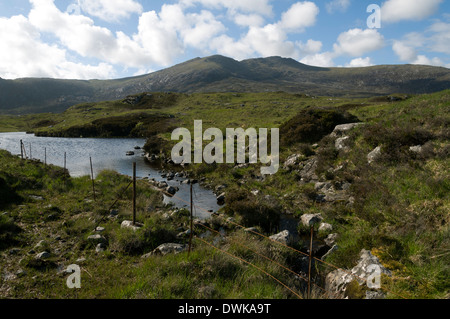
311	125
396	140
9	232
253	211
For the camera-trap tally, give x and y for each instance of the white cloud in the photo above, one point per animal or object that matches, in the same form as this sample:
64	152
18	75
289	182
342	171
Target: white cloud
111	10
228	46
404	52
160	39
310	47
299	16
360	62
324	59
247	20
272	39
398	10
338	5
25	55
409	54
358	42
439	37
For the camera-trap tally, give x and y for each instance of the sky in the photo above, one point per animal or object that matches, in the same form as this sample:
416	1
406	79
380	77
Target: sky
106	39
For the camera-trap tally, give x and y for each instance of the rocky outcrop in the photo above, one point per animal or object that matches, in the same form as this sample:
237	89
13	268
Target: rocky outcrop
165	249
374	155
363	273
311	219
283	237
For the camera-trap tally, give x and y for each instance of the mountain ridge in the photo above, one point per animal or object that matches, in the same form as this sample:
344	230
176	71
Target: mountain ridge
218	73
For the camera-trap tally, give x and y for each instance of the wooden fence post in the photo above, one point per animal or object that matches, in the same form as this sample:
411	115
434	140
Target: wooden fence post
191	228
93	181
134	194
310	262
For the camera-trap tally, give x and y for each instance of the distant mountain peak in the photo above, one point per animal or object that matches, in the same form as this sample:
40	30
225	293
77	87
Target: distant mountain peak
218	73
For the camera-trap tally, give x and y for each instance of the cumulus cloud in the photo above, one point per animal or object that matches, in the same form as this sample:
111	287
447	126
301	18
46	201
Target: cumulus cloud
359	62
110	10
25	55
438	35
408	53
399	10
299	16
247	20
324	59
358	42
272	39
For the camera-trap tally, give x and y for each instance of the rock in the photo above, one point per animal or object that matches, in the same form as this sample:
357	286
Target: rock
340	130
172	190
43	255
283	237
162	184
324	227
341	143
97	239
331	239
374	155
323	187
416	149
100	248
374	295
337	281
170	248
37	198
129	224
221	199
308	172
291	161
100	229
311	219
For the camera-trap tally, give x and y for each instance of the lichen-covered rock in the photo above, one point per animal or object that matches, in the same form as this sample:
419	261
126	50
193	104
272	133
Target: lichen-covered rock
337	281
311	219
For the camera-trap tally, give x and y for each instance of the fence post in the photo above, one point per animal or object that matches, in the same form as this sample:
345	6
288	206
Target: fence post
191	227
65	161
93	181
310	262
45	156
134	193
21	148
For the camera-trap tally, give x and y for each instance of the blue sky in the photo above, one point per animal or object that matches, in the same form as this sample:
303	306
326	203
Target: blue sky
87	39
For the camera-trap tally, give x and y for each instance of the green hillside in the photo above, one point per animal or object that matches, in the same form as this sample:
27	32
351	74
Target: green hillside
394	203
222	74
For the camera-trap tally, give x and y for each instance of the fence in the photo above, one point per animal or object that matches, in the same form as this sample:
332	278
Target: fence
310	256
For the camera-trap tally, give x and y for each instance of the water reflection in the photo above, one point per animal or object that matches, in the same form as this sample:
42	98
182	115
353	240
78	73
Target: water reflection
108	154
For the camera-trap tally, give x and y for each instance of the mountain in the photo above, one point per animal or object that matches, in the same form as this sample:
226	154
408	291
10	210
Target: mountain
221	74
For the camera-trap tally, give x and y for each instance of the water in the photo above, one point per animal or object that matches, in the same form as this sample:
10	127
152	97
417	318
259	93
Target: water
106	154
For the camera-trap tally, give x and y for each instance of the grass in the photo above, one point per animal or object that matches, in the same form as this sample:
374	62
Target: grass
400	207
118	272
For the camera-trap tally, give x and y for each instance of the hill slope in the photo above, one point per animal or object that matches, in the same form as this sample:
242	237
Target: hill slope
222	74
